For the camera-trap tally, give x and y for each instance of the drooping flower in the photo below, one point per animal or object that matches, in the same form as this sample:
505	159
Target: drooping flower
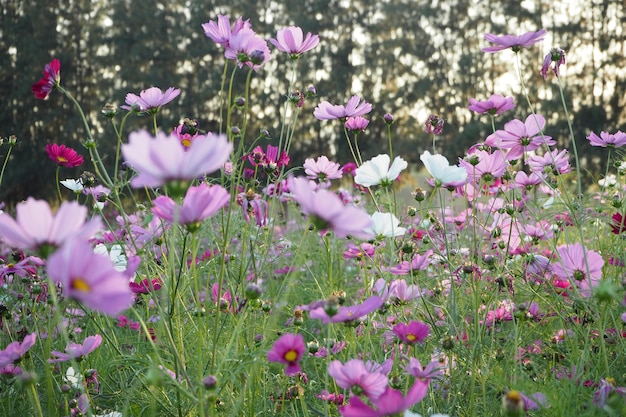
348	313
356	124
496	104
354	376
322	169
581	267
606	390
385	225
618	223
327	211
606	139
162	158
444	174
221	31
77	351
516	43
200	203
377	171
90	278
15	351
520	137
246	48
288	350
354	107
150	100
431	371
290	40
36	228
556	55
390	403
51	78
63	156
434	125
411	333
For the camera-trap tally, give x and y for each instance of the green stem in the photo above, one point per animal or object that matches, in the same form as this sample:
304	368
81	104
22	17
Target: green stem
4	164
58	185
572	138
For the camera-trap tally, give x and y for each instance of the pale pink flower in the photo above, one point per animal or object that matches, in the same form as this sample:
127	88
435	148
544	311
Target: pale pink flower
77	351
200	203
606	139
14	352
516	43
354	376
290	40
580	266
221	31
496	104
151	99
520	137
356	124
248	49
556	55
348	313
555	161
354	107
322	169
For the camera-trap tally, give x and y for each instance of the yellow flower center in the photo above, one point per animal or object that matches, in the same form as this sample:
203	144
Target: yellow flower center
80	284
291	356
61	159
186	143
411	337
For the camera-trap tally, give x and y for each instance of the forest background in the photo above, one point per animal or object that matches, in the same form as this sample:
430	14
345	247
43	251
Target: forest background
410	58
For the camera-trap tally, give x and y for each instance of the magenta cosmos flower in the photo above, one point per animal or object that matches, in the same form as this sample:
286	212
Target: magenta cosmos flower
327	111
390	403
51	78
221	31
247	48
348	313
327	211
150	100
199	203
411	333
520	137
513	42
15	351
36	228
63	156
496	104
572	263
77	351
288	350
354	376
162	158
90	278
606	139
290	40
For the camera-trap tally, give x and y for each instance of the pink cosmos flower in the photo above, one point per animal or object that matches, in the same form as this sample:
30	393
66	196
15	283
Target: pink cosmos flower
288	350
523	180
162	158
572	263
555	161
322	169
490	166
606	139
327	211
356	124
146	286
221	31
417	263
77	351
354	376
290	40
51	78
521	137
253	204
411	333
348	313
63	156
496	104
606	390
200	203
390	403
90	278
15	351
556	55
327	111
514	42
248	49
432	370
36	228
434	125
150	100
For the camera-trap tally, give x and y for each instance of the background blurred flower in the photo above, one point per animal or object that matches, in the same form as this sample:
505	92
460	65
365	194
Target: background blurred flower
77	351
51	78
288	350
63	156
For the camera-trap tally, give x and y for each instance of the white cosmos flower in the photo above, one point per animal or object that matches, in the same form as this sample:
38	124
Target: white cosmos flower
385	225
377	171
115	254
72	184
441	170
72	378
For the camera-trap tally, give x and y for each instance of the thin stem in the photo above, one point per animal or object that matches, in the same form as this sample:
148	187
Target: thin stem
4	164
572	138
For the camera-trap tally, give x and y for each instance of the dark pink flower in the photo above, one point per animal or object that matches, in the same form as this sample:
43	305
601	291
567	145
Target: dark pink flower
606	139
145	286
290	40
354	107
288	350
150	100
221	31
14	352
63	156
514	42
618	223
390	403
556	55
354	376
51	78
496	104
411	333
77	351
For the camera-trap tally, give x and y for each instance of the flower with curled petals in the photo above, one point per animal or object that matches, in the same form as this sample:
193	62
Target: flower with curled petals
51	78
